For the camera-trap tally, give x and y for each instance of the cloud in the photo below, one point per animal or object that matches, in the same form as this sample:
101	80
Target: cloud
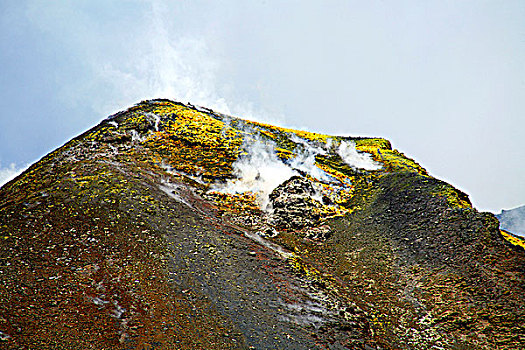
9	173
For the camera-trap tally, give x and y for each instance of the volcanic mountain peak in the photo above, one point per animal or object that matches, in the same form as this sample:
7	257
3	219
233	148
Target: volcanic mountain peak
173	226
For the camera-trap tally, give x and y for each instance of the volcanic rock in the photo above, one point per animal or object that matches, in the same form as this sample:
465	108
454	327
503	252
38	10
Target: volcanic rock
137	234
293	204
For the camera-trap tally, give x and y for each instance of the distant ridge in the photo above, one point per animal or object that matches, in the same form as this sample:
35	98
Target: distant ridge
513	220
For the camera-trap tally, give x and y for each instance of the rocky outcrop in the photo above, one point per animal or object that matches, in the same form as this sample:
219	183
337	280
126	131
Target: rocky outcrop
293	205
297	206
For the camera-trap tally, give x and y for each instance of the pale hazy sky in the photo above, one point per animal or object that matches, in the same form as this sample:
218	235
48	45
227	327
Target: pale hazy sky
443	80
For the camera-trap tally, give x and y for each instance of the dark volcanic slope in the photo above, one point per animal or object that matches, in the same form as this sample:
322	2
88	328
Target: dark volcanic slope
146	232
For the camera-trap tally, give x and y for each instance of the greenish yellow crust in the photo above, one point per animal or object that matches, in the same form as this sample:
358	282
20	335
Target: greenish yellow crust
206	145
392	159
455	198
513	239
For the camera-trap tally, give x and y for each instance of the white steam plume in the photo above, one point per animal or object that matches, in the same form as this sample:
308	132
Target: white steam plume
305	160
158	63
350	156
260	172
150	54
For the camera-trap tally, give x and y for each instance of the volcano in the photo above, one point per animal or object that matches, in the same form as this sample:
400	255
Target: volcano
172	226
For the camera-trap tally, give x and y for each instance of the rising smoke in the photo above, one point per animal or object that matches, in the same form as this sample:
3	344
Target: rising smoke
260	171
166	63
350	156
305	159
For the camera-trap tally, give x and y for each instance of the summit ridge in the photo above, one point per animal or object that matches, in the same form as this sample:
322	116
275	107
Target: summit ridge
171	226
